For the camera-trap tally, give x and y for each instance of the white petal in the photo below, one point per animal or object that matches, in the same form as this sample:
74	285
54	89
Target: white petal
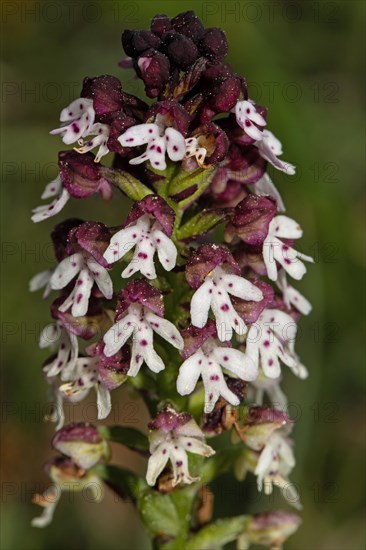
143	260
101	277
51	497
285	228
265	186
143	344
200	304
196	446
83	286
237	362
245	109
179	461
267	153
288	258
269	361
121	243
165	247
136	359
47	211
50	335
156	153
76	108
189	373
118	335
176	145
157	463
66	271
215	385
268	258
298	300
165	329
242	288
226	317
139	135
40	280
104	402
53	188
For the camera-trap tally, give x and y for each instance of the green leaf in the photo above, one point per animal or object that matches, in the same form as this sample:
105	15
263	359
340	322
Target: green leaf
131	186
124	482
201	223
159	514
219	533
198	179
130	437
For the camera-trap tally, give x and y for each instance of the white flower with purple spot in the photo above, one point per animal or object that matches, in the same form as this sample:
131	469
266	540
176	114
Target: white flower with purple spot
208	362
140	323
271	340
274	464
270	148
215	293
249	119
291	296
147	236
194	149
274	250
78	122
81	379
88	272
52	189
172	435
160	140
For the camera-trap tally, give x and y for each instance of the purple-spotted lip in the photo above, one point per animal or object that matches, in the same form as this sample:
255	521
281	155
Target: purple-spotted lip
168	420
79	432
267	415
205	259
154	206
139	291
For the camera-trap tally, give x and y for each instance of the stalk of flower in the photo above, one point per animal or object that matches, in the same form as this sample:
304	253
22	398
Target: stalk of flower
194	158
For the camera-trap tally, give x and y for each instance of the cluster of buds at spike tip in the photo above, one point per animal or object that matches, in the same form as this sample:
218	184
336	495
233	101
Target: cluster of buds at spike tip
203	320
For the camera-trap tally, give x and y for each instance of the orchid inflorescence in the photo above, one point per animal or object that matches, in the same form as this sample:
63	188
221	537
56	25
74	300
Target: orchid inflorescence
195	326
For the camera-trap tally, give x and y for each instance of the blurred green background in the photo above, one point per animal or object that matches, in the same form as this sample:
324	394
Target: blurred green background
304	60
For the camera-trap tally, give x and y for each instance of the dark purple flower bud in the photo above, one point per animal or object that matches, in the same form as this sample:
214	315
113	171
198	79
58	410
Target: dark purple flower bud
81	176
173	113
249	311
106	93
181	50
205	259
95	323
222	89
189	24
251	219
154	206
195	337
93	237
245	164
154	69
168	420
264	415
213	44
60	234
160	24
112	370
82	443
136	42
225	191
139	291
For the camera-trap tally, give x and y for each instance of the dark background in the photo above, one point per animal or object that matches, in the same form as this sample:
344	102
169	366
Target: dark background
304	60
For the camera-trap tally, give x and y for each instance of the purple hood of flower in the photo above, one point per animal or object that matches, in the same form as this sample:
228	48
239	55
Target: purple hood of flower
92	237
168	420
81	176
203	260
60	234
251	218
249	311
195	337
156	207
80	431
264	415
139	291
113	369
94	323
